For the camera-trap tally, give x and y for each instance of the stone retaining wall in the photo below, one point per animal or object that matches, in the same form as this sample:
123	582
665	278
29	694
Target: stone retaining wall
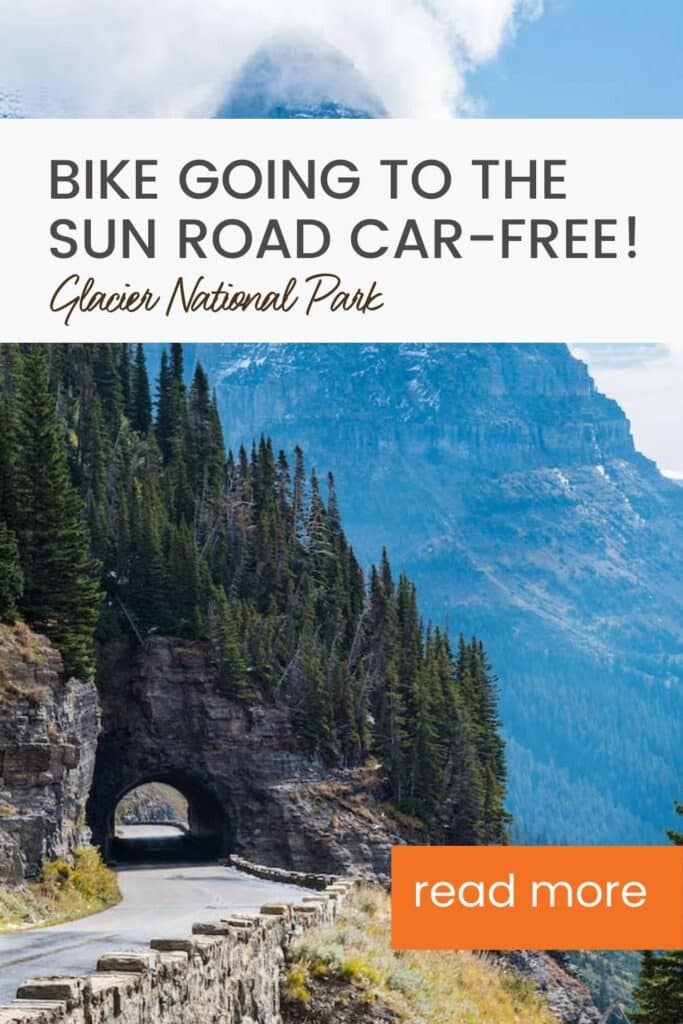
227	971
306	879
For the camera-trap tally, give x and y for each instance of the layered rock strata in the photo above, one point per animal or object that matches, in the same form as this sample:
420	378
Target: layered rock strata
48	736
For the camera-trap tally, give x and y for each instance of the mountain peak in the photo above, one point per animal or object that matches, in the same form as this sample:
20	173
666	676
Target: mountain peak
296	78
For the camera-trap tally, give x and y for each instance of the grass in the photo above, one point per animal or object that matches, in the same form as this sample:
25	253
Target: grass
416	986
64	892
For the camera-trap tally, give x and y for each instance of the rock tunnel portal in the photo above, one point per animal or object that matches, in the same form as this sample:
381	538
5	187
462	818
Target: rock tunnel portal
166	718
168	818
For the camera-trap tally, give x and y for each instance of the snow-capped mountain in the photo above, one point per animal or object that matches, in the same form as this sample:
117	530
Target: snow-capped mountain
290	79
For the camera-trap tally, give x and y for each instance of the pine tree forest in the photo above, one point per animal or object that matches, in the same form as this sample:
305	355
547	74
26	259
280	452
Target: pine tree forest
122	512
659	993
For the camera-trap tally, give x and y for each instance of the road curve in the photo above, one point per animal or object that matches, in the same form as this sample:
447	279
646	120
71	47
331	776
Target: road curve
157	902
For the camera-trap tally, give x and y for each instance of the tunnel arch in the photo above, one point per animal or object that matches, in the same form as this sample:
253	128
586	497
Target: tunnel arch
165	717
209	832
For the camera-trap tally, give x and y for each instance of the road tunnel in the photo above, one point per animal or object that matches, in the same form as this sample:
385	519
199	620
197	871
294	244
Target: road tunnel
167	818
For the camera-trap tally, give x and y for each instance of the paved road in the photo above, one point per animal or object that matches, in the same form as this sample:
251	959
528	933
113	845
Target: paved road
158	902
148	831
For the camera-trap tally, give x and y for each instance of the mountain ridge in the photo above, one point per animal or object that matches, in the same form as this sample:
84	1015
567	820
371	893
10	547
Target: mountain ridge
511	490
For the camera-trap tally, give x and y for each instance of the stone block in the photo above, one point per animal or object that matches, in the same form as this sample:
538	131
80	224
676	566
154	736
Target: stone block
173	945
212	928
175	959
38	1011
101	983
206	944
277	910
68	990
127	963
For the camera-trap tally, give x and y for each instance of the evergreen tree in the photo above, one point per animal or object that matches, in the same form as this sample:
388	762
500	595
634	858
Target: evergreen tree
108	384
206	458
165	408
9	367
388	702
659	993
178	366
243	552
333	516
299	495
61	592
313	713
464	803
148	591
225	637
11	576
141	401
674	835
91	460
126	380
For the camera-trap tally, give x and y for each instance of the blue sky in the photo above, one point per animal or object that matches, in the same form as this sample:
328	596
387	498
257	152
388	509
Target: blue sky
421	58
588	58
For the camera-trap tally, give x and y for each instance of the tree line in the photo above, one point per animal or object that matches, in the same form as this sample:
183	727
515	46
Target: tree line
659	992
121	512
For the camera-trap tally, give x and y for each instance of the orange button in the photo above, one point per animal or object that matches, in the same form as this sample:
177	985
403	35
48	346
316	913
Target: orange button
537	897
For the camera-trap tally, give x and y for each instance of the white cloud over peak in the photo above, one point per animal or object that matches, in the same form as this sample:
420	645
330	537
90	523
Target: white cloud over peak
177	58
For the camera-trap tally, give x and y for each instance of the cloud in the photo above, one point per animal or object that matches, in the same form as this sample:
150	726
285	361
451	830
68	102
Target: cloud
624	355
177	58
647	381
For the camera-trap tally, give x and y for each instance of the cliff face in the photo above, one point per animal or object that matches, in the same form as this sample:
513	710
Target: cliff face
48	735
511	491
165	719
249	790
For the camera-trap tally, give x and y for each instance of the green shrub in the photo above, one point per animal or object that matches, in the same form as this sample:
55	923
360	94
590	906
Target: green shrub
56	876
92	878
295	985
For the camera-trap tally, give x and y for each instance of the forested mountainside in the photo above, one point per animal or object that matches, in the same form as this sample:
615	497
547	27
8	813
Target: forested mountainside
510	490
120	511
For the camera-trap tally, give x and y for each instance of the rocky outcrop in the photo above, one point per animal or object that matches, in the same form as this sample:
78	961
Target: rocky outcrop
553	975
340	824
227	970
48	736
249	789
11	863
